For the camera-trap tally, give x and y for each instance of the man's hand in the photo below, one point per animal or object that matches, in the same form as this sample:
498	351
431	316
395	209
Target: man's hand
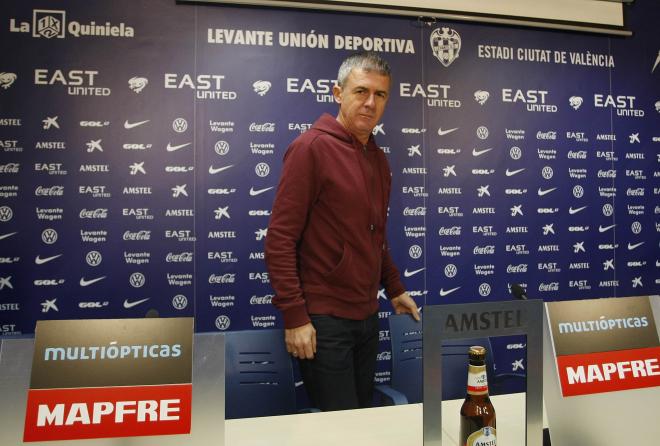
403	303
301	341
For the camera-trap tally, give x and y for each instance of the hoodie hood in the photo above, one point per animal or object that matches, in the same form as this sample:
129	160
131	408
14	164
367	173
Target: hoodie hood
329	124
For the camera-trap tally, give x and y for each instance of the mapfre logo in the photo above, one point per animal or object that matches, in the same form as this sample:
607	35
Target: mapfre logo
52	24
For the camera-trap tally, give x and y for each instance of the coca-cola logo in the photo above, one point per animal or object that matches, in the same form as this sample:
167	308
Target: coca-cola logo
183	257
577	155
418	211
611	173
265	127
513	269
9	168
552	286
453	230
94	213
138	235
546	135
222	278
53	191
261	300
384	356
484	250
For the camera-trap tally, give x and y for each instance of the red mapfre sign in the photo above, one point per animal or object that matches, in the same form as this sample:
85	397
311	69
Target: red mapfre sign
605	345
609	371
110	378
71	414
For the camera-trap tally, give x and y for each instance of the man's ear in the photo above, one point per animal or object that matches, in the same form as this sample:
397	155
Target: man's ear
336	92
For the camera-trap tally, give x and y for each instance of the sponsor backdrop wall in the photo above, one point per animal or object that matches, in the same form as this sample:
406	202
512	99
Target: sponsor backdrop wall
141	144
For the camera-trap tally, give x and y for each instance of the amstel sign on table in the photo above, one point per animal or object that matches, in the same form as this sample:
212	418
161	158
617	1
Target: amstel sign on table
604	345
110	378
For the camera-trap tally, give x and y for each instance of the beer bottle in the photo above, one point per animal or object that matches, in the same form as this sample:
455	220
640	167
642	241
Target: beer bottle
477	412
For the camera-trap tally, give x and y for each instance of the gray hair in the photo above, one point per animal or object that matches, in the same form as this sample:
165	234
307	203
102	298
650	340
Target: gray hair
367	61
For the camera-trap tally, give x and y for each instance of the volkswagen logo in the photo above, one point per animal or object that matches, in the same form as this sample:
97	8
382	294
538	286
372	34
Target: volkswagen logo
180	125
6	213
415	251
547	172
636	227
221	147
515	153
179	301
484	289
136	280
222	322
262	169
93	258
49	236
578	191
451	270
608	210
482	132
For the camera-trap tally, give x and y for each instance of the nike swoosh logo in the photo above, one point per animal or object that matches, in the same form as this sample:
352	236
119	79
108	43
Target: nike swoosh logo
510	173
84	282
254	193
7	235
128	304
407	273
171	148
39	261
635	246
130	125
476	152
444	293
575	211
546	191
606	228
446	132
214	170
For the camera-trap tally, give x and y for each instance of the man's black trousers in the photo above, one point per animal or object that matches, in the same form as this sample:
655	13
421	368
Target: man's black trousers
341	375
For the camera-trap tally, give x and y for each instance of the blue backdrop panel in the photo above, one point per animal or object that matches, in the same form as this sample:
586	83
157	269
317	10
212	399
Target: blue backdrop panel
142	144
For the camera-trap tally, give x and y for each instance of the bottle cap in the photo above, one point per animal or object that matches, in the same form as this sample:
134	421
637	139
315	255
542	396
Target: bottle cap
477	350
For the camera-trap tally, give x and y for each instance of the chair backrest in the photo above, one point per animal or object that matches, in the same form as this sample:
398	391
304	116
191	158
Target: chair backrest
407	360
406	338
258	375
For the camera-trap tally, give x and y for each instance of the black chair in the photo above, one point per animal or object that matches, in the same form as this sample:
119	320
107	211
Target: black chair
258	375
406	385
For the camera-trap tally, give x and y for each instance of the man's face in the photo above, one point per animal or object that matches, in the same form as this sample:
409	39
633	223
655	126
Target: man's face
362	101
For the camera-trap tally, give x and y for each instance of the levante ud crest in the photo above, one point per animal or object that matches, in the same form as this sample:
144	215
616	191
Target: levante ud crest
446	45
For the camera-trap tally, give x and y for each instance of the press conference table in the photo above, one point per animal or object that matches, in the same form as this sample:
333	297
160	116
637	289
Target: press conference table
381	426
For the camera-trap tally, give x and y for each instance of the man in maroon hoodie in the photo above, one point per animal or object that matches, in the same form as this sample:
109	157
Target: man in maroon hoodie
326	247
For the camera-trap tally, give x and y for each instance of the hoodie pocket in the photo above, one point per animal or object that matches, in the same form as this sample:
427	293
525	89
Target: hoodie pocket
339	271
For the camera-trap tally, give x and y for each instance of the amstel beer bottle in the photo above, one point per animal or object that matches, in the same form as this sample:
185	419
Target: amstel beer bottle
477	412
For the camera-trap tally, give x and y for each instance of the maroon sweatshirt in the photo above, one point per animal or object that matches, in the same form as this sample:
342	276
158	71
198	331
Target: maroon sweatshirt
326	248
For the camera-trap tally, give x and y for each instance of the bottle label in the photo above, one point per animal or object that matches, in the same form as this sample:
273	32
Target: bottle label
483	437
477	382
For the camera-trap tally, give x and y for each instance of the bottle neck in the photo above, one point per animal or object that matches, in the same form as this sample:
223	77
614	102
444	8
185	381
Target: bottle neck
477	383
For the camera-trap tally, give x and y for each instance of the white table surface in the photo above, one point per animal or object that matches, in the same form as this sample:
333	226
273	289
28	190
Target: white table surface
381	426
